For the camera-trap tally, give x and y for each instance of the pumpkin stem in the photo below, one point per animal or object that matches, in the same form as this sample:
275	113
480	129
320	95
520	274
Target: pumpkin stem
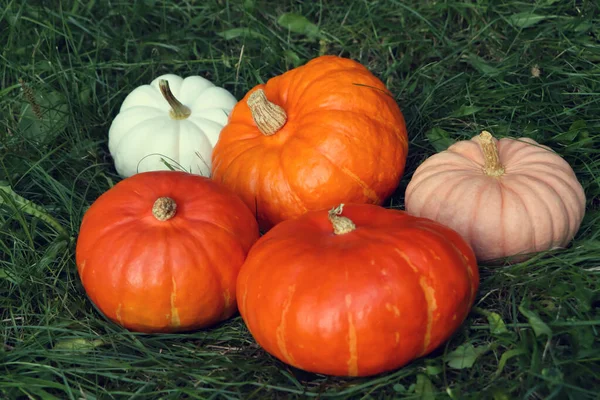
164	208
178	110
269	117
341	225
492	165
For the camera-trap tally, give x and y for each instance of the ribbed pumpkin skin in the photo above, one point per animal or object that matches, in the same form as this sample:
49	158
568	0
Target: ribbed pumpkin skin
164	276
360	303
537	204
344	141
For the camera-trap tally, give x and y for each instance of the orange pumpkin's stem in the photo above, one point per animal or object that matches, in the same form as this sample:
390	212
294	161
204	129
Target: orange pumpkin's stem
164	208
492	165
178	110
341	225
269	117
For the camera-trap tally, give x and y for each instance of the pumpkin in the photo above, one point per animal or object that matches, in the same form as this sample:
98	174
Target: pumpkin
172	123
356	291
325	132
161	250
507	197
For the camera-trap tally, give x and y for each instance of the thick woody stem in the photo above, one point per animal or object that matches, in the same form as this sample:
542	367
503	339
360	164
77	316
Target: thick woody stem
269	117
492	165
164	208
178	110
341	225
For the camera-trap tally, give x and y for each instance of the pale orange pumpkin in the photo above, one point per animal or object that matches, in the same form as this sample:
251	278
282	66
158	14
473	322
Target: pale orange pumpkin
506	197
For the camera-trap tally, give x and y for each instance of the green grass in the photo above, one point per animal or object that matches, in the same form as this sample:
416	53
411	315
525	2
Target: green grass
455	67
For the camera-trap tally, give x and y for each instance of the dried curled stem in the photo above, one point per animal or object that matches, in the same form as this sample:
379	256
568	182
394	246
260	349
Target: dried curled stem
492	165
269	117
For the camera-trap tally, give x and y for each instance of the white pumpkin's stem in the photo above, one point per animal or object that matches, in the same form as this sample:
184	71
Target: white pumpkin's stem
269	117
178	110
492	165
341	225
164	208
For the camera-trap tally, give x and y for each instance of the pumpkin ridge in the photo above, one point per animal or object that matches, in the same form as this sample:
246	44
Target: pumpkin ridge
237	128
429	293
115	144
243	146
204	221
393	127
296	81
451	188
527	211
352	339
305	105
118	313
476	208
138	108
295	195
174	315
429	227
423	178
426	295
200	247
489	182
473	285
301	77
575	190
370	193
513	155
205	118
567	170
123	231
294	76
542	200
199	160
501	228
177	134
257	194
466	174
305	134
449	158
203	92
125	262
560	201
418	273
457	150
149	133
117	226
505	148
556	172
280	330
232	161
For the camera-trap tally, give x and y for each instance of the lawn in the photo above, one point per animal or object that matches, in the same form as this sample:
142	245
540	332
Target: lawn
515	68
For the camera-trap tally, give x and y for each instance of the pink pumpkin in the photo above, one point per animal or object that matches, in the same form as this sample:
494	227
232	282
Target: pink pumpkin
505	197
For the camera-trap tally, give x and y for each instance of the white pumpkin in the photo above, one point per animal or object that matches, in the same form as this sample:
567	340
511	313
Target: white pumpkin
172	119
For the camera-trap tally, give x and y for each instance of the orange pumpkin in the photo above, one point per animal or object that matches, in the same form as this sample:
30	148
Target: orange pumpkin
161	251
358	294
320	134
